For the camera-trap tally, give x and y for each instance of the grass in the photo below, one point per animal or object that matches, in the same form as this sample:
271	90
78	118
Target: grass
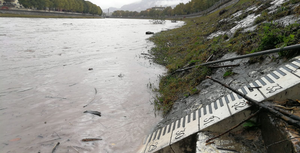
187	46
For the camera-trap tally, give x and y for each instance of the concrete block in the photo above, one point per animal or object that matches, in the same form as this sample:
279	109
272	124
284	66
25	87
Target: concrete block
186	145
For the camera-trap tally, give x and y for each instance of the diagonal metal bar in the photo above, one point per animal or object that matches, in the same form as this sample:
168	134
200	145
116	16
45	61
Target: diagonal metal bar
297	46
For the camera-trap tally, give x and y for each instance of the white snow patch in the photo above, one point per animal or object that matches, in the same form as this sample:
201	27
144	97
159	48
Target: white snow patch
287	20
248	21
278	2
224	20
250	29
259	7
254	8
275	4
236	14
216	34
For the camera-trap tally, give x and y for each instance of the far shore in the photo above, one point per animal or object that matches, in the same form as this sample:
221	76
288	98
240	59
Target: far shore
40	14
43	16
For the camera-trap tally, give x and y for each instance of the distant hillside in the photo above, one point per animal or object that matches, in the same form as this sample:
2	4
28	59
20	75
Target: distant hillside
145	4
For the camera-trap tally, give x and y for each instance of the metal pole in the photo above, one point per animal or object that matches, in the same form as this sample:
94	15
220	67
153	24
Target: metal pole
297	46
255	54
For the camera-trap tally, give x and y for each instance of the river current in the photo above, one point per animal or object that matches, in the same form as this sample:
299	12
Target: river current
53	70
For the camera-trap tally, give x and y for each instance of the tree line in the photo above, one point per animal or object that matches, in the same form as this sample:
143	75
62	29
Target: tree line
194	6
79	6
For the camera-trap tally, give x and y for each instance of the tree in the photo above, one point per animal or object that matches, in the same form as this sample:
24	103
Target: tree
80	6
25	3
144	13
59	4
179	9
168	11
62	5
48	4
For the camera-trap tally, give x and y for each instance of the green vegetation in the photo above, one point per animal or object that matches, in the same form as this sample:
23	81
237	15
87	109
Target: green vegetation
194	6
79	6
276	35
228	73
188	45
250	124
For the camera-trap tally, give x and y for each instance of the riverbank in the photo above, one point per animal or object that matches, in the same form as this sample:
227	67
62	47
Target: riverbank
242	28
43	14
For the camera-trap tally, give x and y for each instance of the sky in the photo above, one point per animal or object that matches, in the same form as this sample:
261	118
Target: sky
104	4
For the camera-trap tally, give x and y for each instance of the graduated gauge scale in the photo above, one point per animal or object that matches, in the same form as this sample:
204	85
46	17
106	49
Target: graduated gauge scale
283	78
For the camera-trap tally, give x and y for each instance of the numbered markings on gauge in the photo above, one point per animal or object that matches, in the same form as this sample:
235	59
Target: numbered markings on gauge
294	68
160	138
237	103
213	113
185	127
276	82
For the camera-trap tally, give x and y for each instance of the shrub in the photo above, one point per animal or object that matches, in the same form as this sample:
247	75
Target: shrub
237	32
259	19
222	12
225	37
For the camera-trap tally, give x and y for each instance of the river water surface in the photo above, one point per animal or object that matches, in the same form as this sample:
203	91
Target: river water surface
46	82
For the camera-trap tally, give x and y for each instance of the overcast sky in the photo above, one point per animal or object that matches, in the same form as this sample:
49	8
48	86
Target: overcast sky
104	4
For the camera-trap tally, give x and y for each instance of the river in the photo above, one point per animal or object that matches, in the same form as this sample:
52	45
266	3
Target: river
52	70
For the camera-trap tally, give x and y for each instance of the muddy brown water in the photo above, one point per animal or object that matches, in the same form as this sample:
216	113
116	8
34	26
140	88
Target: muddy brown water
46	81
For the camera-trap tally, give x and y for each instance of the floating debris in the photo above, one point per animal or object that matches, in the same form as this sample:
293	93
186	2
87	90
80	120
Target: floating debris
91	139
53	150
93	112
121	75
149	33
